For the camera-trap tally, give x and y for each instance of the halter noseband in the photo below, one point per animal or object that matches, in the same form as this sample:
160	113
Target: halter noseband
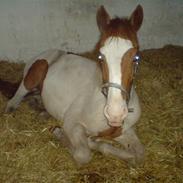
114	85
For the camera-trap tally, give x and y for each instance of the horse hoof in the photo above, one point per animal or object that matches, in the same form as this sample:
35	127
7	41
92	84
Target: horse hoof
10	109
138	151
140	158
57	132
136	161
139	154
132	162
44	115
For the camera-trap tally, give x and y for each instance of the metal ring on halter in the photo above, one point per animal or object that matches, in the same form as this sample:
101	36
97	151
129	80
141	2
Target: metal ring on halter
114	85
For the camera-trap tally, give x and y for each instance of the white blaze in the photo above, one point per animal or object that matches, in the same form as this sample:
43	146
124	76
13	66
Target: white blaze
114	49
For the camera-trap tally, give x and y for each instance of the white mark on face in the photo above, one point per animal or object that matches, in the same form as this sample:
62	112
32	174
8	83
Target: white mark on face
114	49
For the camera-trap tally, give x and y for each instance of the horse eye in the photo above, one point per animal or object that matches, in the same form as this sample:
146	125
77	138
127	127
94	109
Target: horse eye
136	58
101	57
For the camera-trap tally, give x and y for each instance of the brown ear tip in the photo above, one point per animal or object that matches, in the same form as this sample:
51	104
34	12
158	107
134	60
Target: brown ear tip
101	8
139	7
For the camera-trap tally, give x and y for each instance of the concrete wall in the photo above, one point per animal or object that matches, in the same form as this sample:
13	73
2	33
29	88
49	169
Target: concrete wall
28	27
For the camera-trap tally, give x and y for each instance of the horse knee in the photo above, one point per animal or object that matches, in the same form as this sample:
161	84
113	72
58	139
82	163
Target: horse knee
82	156
79	143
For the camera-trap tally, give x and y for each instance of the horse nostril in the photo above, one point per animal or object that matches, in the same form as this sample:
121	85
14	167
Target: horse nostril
115	115
110	114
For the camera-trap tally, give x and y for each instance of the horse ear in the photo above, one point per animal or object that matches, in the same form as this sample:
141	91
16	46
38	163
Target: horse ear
103	19
136	18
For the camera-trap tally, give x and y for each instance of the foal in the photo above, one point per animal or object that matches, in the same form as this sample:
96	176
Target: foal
92	101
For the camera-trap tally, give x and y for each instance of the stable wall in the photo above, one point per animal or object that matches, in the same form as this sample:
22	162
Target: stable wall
28	27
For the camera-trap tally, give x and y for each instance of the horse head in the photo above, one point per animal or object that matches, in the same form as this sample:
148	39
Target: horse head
118	46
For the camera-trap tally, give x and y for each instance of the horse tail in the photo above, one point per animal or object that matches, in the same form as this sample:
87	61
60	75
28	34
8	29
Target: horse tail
7	88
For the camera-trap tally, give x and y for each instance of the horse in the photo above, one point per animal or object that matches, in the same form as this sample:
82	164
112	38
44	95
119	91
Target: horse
94	99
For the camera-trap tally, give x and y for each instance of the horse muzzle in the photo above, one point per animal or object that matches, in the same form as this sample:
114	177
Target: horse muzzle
115	116
115	124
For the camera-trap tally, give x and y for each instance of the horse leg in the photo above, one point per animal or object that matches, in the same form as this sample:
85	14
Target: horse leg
59	133
106	148
17	98
78	143
132	144
33	79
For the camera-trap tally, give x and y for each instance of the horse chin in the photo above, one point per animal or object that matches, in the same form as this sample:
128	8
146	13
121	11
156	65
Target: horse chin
115	124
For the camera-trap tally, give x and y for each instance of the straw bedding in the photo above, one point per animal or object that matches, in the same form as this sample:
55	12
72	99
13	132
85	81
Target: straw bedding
30	154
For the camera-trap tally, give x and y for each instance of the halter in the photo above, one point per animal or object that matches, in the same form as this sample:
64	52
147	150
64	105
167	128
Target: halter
107	85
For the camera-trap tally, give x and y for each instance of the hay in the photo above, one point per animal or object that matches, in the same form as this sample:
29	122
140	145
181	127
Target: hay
30	154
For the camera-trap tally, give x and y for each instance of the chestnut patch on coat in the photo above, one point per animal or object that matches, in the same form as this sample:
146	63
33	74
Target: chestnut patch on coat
110	133
36	75
127	68
105	71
